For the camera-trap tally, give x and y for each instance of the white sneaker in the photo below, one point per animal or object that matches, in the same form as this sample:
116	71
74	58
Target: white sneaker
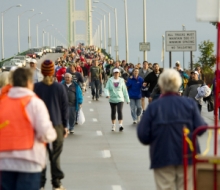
113	127
134	122
71	131
59	188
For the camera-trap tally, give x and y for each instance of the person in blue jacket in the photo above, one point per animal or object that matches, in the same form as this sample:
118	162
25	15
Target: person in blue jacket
134	85
161	127
75	99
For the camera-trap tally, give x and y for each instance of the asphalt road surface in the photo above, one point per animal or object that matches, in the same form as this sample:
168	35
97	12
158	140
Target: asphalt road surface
95	158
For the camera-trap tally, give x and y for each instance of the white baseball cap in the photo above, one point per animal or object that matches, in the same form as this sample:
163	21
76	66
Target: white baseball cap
195	72
116	71
33	61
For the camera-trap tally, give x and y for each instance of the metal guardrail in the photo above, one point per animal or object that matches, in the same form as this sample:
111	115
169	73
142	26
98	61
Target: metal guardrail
2	62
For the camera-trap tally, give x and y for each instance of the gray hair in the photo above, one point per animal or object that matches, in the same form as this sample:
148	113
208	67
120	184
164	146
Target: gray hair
170	80
4	79
68	74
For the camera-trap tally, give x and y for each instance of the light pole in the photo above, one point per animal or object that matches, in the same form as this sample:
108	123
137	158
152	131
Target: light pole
104	26
126	31
144	28
184	28
37	30
45	32
19	49
29	29
109	29
116	27
2	28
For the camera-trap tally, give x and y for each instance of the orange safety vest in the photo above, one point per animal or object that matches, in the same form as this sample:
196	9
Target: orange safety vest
16	131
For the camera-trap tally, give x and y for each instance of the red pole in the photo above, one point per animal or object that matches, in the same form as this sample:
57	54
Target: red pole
217	77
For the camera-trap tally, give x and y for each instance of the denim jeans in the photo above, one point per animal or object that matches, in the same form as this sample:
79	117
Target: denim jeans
100	89
95	86
72	117
10	180
136	108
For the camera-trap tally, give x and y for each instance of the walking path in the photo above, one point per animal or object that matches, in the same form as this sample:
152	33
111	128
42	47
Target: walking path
95	158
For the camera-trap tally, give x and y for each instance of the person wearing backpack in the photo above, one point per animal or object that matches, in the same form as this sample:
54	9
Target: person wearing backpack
184	76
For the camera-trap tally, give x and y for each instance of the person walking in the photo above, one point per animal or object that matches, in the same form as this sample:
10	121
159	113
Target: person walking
37	76
152	78
134	85
161	127
184	76
145	92
191	88
23	134
117	93
117	66
95	77
75	98
55	97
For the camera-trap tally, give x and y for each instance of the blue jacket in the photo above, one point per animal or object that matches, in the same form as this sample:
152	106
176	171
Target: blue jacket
134	87
79	96
161	127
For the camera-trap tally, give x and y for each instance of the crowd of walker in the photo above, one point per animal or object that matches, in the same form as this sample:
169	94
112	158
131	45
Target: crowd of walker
45	104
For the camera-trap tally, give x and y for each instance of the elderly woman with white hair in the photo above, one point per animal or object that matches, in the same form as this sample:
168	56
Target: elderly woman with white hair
161	127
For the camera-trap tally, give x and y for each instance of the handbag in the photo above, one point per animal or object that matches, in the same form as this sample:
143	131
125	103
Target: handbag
81	117
210	106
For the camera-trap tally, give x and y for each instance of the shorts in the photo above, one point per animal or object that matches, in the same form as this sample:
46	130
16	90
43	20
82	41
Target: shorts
145	94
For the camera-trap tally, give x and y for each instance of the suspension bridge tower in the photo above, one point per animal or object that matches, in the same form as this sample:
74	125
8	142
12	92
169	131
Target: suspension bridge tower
84	15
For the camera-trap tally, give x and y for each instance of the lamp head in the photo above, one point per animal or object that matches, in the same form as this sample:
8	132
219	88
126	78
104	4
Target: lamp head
32	10
47	20
95	1
19	5
40	13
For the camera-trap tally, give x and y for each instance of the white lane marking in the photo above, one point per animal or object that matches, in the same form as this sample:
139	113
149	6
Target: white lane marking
88	96
116	187
106	154
94	120
99	133
90	102
91	109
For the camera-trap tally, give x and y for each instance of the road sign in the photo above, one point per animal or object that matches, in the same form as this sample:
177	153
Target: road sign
109	41
180	41
208	10
144	46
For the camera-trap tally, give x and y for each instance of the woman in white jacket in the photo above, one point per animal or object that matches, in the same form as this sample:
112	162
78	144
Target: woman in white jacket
21	167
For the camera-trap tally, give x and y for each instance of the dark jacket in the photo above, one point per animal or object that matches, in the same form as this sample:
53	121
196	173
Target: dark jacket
151	80
56	100
191	89
134	87
161	127
74	93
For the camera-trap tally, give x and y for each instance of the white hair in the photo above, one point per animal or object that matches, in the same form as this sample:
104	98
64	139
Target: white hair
170	80
4	79
68	74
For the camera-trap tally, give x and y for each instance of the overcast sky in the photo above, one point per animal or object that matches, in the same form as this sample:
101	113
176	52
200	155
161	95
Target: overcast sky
161	16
